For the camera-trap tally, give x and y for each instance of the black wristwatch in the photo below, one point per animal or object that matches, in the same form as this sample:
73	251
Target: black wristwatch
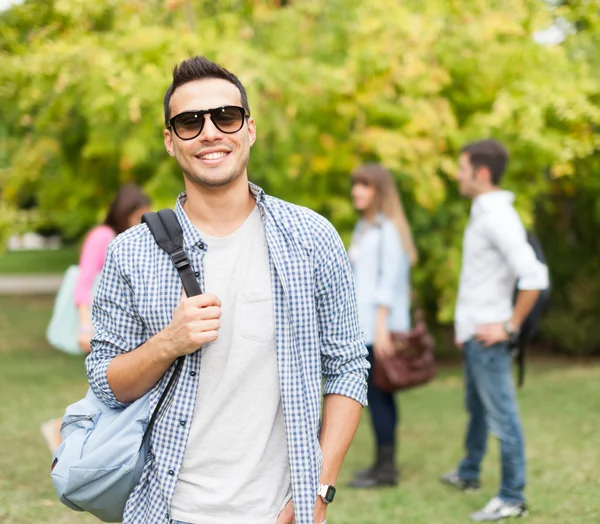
512	332
326	492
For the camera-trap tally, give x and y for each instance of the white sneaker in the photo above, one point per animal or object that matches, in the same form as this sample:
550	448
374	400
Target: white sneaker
498	509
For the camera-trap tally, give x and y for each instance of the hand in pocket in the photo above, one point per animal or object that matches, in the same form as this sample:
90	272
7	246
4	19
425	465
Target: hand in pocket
287	515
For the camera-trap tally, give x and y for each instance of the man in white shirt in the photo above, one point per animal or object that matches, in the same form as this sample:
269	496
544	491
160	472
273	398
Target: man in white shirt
496	255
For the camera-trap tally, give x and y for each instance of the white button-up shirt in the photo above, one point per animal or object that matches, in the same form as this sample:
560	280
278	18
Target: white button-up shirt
496	255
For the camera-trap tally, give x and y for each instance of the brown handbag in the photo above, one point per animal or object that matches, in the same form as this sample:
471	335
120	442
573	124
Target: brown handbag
413	362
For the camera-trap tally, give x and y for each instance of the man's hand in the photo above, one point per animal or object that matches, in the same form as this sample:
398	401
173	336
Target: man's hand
320	510
195	322
383	346
287	515
490	334
459	345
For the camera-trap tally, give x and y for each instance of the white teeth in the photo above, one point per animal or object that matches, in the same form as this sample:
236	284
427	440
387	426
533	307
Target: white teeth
213	156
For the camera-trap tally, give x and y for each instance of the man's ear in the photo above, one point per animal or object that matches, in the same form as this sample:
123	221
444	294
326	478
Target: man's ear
251	131
168	139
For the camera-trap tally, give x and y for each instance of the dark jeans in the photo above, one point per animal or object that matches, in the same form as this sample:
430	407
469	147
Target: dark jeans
492	406
384	412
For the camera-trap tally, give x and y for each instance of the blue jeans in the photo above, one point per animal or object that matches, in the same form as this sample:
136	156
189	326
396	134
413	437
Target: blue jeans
384	410
492	406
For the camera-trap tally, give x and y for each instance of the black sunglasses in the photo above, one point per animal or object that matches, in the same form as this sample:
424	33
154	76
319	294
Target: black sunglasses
189	124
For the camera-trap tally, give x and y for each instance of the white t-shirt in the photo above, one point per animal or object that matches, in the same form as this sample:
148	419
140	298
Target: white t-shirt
236	467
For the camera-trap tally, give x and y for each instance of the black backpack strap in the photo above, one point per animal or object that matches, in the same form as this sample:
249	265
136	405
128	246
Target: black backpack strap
531	322
521	346
167	232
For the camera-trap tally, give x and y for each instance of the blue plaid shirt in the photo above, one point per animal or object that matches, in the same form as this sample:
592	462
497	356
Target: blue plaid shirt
317	335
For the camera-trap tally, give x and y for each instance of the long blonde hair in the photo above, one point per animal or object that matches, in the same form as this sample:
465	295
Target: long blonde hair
387	201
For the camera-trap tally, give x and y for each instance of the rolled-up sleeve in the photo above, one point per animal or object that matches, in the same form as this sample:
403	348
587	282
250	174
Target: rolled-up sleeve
343	351
118	328
510	237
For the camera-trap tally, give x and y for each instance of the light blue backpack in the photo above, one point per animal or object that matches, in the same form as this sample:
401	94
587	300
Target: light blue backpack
103	452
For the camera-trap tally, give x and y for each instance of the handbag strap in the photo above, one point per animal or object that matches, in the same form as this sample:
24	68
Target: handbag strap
379	251
167	233
413	300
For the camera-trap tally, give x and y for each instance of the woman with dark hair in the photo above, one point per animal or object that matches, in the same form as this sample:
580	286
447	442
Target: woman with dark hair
125	211
381	252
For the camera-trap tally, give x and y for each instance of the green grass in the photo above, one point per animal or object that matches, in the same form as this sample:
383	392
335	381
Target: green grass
560	406
47	261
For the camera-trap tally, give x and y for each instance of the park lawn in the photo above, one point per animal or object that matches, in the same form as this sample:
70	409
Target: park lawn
560	405
38	261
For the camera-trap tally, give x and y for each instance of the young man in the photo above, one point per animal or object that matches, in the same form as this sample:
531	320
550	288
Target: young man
496	254
242	441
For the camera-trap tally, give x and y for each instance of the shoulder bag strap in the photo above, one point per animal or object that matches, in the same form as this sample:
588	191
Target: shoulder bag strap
418	314
379	252
167	232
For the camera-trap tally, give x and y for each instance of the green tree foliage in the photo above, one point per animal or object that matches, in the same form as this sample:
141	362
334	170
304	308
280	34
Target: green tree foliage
331	84
568	217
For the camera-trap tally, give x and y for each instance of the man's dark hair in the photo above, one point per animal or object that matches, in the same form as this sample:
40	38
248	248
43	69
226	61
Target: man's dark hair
200	68
489	153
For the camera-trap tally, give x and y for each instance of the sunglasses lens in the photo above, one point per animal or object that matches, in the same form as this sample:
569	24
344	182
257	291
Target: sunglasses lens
188	125
228	119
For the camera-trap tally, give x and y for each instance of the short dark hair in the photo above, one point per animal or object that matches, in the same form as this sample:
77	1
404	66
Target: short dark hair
200	68
128	199
489	153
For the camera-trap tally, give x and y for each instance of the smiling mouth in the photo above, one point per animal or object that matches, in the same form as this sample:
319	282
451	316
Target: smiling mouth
213	156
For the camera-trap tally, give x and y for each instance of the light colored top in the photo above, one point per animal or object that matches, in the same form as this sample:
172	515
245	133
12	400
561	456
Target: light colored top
320	349
382	274
93	254
235	468
495	254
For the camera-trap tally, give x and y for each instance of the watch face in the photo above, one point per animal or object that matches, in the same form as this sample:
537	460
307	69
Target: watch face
329	495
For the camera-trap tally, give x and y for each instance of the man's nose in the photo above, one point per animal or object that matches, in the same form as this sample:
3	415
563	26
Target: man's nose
209	131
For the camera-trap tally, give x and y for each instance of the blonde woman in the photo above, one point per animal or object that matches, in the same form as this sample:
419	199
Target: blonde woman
382	252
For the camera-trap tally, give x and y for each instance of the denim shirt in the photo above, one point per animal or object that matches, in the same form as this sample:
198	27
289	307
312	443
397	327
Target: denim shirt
382	274
316	329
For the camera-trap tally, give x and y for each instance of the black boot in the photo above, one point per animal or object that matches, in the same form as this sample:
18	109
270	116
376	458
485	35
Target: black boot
383	473
369	471
366	471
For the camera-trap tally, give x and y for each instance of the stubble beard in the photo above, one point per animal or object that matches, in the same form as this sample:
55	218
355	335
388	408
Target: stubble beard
465	191
220	181
210	182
